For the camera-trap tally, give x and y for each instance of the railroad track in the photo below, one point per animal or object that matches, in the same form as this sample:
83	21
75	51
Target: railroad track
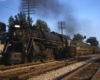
32	70
97	75
5	67
86	72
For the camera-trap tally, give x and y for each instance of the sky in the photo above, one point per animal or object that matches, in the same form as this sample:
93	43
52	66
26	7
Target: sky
80	16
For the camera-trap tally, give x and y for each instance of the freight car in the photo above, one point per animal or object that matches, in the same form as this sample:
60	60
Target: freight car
84	49
30	44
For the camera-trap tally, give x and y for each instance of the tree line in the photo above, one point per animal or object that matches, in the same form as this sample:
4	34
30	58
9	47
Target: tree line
20	17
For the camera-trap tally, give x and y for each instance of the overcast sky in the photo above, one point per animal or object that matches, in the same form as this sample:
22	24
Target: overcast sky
80	16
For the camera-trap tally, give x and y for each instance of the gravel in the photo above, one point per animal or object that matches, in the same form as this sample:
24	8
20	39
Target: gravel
61	71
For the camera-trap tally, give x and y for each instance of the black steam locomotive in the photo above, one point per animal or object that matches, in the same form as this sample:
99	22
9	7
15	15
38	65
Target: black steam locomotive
32	44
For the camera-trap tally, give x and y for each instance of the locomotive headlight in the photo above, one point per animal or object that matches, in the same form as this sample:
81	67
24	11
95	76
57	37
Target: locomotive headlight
17	26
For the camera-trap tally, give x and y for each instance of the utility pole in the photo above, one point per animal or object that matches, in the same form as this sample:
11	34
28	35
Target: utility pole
28	8
61	25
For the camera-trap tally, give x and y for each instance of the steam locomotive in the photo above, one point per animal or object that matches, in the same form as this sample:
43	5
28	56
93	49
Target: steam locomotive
32	44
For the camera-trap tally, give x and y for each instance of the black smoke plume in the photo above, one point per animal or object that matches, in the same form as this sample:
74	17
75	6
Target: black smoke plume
58	11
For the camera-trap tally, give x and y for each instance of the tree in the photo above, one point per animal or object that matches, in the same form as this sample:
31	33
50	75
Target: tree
2	27
93	41
11	21
79	37
2	31
19	18
42	25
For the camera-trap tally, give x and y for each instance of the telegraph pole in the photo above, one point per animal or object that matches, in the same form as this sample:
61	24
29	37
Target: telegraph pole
61	25
28	8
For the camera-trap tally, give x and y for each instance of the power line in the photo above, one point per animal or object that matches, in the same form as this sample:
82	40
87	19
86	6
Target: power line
77	31
5	6
10	3
14	4
88	33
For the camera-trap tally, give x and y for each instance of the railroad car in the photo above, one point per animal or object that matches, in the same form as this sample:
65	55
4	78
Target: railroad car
31	44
